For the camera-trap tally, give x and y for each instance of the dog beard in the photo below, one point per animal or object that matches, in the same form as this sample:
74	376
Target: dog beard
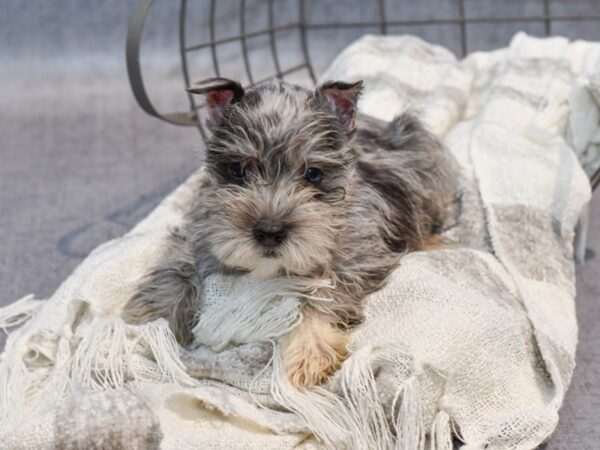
311	228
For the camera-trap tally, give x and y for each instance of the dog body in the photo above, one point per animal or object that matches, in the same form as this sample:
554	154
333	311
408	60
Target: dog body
301	186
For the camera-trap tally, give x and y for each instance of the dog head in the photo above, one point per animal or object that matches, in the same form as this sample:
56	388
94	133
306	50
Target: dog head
281	163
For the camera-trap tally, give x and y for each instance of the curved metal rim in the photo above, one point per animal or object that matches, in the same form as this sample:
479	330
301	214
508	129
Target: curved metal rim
134	71
192	118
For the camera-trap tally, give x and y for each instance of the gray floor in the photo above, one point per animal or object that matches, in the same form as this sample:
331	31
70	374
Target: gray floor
80	163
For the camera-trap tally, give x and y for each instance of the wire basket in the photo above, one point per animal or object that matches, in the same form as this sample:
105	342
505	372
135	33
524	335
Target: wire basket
278	38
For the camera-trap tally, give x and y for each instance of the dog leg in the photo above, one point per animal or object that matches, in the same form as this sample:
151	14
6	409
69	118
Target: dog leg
313	350
170	292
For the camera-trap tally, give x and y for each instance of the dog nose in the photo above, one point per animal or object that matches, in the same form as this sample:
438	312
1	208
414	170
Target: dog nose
269	233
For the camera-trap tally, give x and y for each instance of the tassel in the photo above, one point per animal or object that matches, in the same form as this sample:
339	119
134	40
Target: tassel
163	348
261	312
362	399
108	354
410	432
19	312
441	433
23	378
323	412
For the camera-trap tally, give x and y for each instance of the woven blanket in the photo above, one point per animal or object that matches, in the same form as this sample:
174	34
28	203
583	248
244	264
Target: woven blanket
474	342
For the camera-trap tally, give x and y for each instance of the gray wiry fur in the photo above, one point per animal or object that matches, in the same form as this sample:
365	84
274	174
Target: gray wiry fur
386	189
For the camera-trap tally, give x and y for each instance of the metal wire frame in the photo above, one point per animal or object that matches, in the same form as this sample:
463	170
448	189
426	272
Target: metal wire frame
193	117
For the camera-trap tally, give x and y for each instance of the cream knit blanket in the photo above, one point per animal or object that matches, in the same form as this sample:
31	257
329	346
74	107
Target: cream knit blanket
474	342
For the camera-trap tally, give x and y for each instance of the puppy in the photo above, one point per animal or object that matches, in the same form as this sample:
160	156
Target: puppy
300	186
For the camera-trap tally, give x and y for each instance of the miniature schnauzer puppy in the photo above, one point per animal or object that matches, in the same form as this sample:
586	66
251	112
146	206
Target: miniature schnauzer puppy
300	186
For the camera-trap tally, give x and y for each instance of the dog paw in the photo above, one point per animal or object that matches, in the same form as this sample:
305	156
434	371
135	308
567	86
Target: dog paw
312	352
306	371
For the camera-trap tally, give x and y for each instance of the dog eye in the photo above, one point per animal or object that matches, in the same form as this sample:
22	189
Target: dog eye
236	170
313	175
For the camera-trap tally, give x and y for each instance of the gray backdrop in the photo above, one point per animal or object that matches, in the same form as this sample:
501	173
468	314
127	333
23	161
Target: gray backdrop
80	163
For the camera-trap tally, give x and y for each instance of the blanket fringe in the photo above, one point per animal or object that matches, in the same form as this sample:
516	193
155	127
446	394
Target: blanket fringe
441	432
355	418
362	402
14	375
103	352
410	432
108	354
159	340
262	311
25	368
320	409
38	369
19	312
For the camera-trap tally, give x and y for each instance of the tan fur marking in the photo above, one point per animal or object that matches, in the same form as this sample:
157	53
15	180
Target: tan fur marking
436	242
313	350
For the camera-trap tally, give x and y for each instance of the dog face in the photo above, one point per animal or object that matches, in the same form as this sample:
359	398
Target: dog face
281	166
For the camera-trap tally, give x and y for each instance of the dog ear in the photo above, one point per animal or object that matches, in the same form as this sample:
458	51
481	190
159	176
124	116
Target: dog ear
342	98
220	93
